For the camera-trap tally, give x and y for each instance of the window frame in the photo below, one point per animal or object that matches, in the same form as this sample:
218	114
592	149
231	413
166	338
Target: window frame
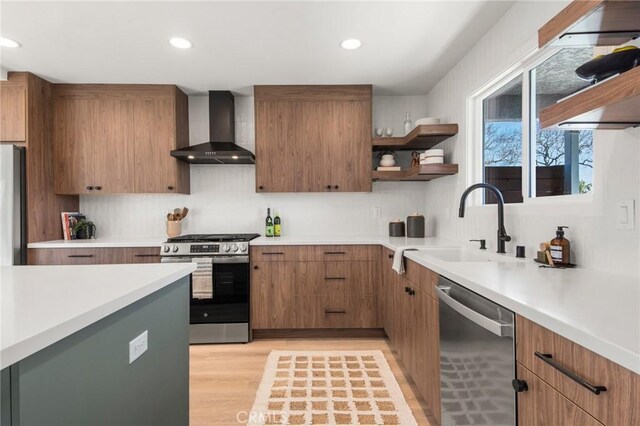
475	139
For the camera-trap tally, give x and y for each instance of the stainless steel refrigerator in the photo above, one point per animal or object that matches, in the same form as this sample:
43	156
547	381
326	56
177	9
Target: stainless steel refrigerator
13	206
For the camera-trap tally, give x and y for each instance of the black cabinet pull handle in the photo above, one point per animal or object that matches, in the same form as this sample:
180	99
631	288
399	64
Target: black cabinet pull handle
79	255
146	255
335	252
406	289
272	253
519	385
170	188
548	359
335	278
328	186
390	256
261	187
327	311
89	188
336	187
255	267
98	188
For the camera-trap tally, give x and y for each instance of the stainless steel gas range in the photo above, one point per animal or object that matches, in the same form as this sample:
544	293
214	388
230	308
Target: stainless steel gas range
219	311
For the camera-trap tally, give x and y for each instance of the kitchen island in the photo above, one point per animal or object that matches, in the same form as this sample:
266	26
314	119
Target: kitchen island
95	344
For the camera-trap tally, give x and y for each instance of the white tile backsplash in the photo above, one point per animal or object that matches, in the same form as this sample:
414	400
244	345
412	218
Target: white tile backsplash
223	197
595	240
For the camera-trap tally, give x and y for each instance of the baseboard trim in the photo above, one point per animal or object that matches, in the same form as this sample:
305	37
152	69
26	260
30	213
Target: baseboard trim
297	333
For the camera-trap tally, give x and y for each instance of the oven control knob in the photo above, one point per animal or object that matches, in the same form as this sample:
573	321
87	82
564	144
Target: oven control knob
166	249
243	246
234	247
174	249
226	247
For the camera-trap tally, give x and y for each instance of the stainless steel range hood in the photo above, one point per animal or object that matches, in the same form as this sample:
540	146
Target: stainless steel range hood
221	148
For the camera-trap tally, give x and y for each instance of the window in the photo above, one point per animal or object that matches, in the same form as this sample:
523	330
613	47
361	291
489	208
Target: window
502	141
563	158
555	161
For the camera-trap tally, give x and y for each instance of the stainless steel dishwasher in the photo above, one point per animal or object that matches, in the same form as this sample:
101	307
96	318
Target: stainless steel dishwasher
477	358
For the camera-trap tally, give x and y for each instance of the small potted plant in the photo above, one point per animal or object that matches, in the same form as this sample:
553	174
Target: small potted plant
84	229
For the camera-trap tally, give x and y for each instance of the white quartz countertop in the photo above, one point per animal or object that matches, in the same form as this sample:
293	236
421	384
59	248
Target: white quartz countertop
44	304
597	310
389	242
101	243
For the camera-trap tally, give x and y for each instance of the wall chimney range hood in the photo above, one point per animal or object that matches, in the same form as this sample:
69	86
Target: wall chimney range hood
221	148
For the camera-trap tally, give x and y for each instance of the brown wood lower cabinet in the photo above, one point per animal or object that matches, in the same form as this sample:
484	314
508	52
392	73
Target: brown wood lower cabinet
412	325
93	256
541	404
322	288
545	353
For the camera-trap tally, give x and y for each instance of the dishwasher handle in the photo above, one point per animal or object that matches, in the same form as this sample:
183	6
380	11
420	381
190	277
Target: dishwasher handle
499	329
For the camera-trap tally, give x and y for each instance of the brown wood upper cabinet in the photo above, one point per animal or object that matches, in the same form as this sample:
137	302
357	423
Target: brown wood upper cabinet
13	109
118	138
313	138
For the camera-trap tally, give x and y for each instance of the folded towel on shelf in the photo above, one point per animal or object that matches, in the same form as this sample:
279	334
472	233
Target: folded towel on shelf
398	258
202	279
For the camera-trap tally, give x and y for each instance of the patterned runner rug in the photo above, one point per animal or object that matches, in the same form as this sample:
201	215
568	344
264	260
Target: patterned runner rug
329	388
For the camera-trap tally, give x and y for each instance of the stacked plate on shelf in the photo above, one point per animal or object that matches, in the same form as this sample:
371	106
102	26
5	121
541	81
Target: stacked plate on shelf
432	156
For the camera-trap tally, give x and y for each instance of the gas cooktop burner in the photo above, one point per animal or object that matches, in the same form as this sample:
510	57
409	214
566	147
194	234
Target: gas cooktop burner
213	238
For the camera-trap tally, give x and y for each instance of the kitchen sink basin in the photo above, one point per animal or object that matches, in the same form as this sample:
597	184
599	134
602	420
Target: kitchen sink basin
465	255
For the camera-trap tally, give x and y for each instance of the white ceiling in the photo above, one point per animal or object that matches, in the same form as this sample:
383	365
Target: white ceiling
407	46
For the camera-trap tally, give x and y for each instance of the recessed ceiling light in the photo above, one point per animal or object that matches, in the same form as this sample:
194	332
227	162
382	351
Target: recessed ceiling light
7	42
180	43
190	157
350	43
235	157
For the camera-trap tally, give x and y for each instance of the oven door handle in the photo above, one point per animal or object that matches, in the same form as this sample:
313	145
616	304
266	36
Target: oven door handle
499	329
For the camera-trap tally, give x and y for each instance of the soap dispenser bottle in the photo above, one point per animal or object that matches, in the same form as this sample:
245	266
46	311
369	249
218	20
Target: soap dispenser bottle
560	248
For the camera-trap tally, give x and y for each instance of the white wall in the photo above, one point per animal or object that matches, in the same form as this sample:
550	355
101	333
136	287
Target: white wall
223	198
596	241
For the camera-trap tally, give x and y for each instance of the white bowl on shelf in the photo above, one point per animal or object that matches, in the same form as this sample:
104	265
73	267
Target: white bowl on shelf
427	120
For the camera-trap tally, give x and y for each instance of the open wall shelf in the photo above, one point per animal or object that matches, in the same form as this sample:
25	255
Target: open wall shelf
422	137
592	23
419	173
611	104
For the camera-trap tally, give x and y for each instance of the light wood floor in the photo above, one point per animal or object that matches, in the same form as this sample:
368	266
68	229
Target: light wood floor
224	378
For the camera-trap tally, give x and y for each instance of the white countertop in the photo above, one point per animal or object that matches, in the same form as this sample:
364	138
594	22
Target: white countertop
597	310
101	243
390	242
44	304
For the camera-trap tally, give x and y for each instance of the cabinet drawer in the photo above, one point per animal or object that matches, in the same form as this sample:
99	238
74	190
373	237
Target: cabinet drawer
541	404
77	256
342	252
428	281
411	268
618	405
306	253
282	253
353	277
144	255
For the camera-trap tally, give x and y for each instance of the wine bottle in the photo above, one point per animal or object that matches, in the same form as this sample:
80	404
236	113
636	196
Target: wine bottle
277	225
269	224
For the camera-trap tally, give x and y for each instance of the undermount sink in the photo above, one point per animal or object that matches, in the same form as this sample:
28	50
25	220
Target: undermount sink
465	255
